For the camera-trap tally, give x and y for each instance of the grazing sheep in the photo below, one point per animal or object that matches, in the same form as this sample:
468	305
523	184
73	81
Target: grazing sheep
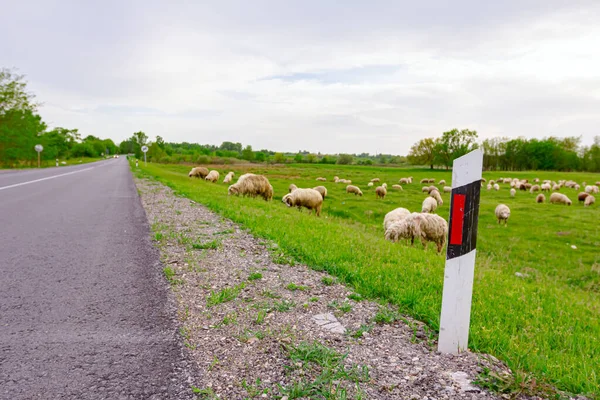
505	180
292	187
309	198
322	190
336	179
431	188
431	180
534	188
536	180
442	182
436	195
597	183
380	192
429	205
213	176
375	180
496	187
595	189
502	213
555	188
582	196
370	184
384	185
252	185
489	186
546	187
322	179
513	192
447	189
430	228
394	216
198	172
404	181
560	199
540	198
397	187
492	182
228	177
424	180
483	180
425	189
576	187
589	201
403	228
353	189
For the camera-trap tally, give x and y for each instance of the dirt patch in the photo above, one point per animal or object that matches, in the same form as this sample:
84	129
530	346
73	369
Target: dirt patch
260	327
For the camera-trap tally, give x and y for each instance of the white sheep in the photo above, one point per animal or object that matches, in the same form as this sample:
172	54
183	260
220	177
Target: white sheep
213	176
589	201
228	177
560	198
292	187
394	216
198	172
502	213
436	195
555	188
447	189
431	228
489	186
322	190
353	189
442	182
540	198
375	180
397	187
429	205
370	184
496	187
309	198
321	179
402	229
384	185
546	187
582	196
534	188
380	192
513	192
425	189
404	181
252	185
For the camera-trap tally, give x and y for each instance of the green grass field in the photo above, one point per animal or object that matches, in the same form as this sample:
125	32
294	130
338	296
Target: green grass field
545	325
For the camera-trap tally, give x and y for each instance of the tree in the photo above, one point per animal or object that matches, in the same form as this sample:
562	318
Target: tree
230	146
422	152
279	158
141	138
260	156
311	158
160	142
345	159
298	158
454	144
247	153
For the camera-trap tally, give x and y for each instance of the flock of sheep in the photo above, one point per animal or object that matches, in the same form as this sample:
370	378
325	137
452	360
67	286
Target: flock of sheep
400	224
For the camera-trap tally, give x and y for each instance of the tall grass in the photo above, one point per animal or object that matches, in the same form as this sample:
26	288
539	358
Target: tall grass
544	323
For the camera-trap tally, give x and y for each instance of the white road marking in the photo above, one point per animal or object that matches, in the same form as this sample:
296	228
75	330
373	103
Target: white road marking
45	179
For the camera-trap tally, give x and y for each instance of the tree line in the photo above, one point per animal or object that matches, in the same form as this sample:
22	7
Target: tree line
21	128
506	154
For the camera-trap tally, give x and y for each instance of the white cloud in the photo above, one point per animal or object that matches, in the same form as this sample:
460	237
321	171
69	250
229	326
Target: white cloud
371	76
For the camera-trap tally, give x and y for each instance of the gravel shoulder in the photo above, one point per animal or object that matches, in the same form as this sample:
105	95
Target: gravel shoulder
260	326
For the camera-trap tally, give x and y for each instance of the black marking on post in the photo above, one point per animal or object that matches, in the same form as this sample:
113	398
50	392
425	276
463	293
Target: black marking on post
471	217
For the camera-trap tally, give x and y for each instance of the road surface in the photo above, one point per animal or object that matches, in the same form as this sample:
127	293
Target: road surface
84	312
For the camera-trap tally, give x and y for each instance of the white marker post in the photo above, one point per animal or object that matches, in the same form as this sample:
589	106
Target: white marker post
39	148
145	149
460	256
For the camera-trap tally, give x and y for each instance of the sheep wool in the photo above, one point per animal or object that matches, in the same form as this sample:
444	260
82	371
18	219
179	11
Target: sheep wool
353	189
252	185
198	172
370	184
228	177
213	176
431	228
292	187
384	185
308	198
559	198
555	188
540	198
447	189
496	186
442	182
321	179
502	213
429	205
403	228
513	192
425	189
436	195
322	190
394	216
534	188
380	192
397	187
589	201
375	180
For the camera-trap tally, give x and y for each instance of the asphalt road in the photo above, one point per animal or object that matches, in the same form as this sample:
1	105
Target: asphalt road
84	311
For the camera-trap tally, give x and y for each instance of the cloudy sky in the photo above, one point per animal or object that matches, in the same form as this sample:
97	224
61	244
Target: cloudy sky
328	76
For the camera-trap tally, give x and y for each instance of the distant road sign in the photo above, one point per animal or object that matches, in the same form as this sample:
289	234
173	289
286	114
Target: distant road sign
38	148
144	148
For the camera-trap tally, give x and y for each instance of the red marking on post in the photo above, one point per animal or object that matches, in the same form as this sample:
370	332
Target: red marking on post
458	217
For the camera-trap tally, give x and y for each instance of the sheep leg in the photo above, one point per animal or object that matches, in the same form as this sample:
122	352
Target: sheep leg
318	211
